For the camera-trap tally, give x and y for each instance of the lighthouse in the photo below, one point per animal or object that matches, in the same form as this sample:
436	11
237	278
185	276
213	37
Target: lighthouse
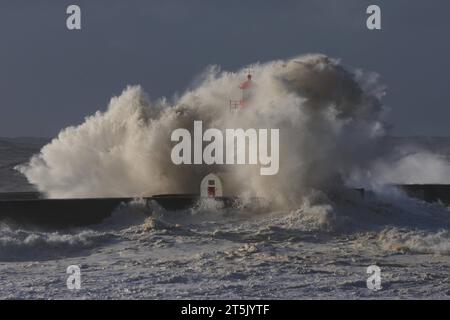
211	186
246	94
246	88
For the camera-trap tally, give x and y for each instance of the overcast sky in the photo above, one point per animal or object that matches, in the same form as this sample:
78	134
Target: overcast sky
51	77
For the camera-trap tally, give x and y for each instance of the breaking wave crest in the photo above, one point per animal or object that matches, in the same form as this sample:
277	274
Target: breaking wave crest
331	123
17	244
401	240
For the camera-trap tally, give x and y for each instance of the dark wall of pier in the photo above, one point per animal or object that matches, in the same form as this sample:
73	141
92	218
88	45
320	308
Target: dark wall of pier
428	192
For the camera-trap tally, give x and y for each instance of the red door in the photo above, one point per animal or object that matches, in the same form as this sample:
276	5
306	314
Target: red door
211	188
211	191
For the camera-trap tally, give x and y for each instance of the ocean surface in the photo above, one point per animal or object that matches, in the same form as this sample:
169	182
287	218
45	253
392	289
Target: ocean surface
310	252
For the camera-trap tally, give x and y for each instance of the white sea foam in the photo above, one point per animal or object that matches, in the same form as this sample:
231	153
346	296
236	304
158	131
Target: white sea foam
330	121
